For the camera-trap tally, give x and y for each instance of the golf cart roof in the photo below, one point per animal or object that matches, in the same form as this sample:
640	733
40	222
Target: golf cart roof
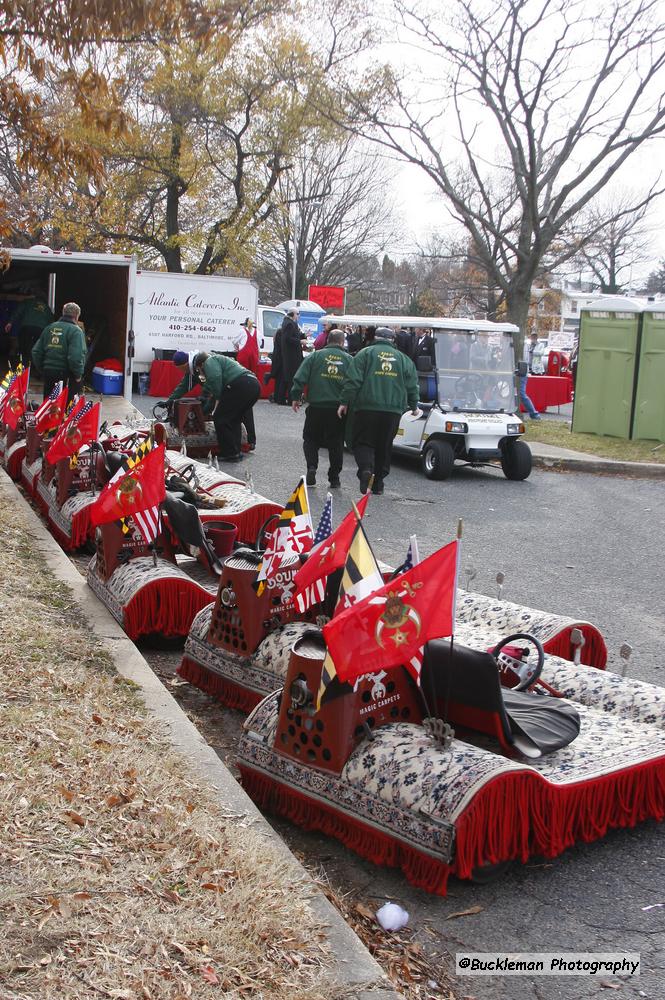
432	322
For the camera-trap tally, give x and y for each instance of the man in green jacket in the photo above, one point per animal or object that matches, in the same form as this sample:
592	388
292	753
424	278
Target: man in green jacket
235	390
27	323
322	374
190	379
381	384
60	351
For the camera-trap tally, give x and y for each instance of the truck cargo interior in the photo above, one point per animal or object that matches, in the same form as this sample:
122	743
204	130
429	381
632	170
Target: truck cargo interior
101	291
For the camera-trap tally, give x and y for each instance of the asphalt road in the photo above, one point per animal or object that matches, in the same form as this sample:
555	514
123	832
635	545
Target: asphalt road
584	545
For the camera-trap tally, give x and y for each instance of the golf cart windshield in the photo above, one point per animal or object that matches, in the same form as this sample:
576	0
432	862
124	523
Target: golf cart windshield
475	371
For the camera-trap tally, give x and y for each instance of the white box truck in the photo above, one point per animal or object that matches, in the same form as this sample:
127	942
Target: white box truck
134	315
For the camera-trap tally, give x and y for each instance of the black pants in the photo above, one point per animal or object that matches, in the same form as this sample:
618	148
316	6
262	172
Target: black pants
324	429
232	411
27	338
74	385
373	433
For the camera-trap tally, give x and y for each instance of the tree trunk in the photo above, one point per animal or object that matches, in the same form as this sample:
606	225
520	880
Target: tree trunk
517	312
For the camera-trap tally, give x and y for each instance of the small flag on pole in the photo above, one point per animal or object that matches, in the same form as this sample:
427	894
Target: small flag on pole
294	534
52	410
361	577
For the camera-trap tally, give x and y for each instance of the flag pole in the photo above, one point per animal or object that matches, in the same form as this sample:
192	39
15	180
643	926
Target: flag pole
460	532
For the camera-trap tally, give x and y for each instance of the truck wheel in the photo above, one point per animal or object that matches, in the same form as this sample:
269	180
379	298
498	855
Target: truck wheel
438	460
516	460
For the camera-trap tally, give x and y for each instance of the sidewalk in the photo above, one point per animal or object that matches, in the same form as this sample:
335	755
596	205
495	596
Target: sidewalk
547	456
133	865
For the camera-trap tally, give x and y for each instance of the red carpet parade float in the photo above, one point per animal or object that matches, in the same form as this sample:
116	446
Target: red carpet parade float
369	722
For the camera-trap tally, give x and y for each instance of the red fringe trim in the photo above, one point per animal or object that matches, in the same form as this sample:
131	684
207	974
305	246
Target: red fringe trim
594	650
63	540
14	464
224	690
81	527
382	849
512	818
165	607
518	816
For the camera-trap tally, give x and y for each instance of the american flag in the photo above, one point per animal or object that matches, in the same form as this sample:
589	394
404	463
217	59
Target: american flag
81	413
324	529
315	593
415	664
148	523
51	398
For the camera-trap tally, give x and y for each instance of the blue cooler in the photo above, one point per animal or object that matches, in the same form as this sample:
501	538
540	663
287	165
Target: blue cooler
108	382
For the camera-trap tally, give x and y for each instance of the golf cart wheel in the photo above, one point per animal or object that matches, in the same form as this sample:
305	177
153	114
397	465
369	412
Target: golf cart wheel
438	460
516	460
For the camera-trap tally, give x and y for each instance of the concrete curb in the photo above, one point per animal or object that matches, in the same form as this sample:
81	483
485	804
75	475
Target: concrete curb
608	467
352	971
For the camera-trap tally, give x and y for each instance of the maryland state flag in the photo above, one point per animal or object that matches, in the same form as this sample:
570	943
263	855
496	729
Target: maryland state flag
14	400
81	428
361	577
294	534
50	414
134	492
388	627
326	558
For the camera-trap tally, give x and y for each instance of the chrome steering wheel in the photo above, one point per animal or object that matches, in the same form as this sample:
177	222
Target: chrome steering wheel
515	673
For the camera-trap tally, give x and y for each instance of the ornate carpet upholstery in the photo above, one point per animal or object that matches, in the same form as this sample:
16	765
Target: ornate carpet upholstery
30	474
147	598
241	681
413	791
497	619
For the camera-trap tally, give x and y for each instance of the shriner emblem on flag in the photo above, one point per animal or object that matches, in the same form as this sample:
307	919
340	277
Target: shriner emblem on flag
129	494
395	615
74	436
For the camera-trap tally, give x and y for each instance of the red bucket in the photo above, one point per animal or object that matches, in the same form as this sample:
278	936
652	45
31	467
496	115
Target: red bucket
222	536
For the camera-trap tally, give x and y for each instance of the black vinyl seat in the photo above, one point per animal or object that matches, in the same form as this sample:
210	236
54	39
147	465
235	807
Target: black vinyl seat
186	524
469	692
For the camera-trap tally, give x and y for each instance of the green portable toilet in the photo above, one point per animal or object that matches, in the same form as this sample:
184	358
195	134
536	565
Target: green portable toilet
606	366
649	410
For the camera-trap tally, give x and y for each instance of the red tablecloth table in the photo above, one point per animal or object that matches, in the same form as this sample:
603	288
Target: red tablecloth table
548	390
267	383
164	377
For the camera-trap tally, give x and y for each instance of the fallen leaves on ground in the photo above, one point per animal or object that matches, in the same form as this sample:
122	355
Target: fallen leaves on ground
120	874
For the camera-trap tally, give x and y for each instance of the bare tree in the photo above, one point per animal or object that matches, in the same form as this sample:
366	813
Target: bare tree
334	202
524	111
619	237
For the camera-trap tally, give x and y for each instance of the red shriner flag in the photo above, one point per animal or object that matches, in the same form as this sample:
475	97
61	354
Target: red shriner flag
328	556
14	407
140	489
51	413
81	428
387	628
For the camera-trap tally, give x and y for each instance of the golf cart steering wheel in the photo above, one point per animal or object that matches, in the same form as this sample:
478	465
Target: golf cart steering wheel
260	543
470	383
510	668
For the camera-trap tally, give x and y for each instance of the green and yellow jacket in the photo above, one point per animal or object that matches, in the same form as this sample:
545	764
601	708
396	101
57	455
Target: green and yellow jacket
60	350
381	378
323	373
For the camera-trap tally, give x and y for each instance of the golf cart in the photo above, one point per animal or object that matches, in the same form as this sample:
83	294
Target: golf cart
469	407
